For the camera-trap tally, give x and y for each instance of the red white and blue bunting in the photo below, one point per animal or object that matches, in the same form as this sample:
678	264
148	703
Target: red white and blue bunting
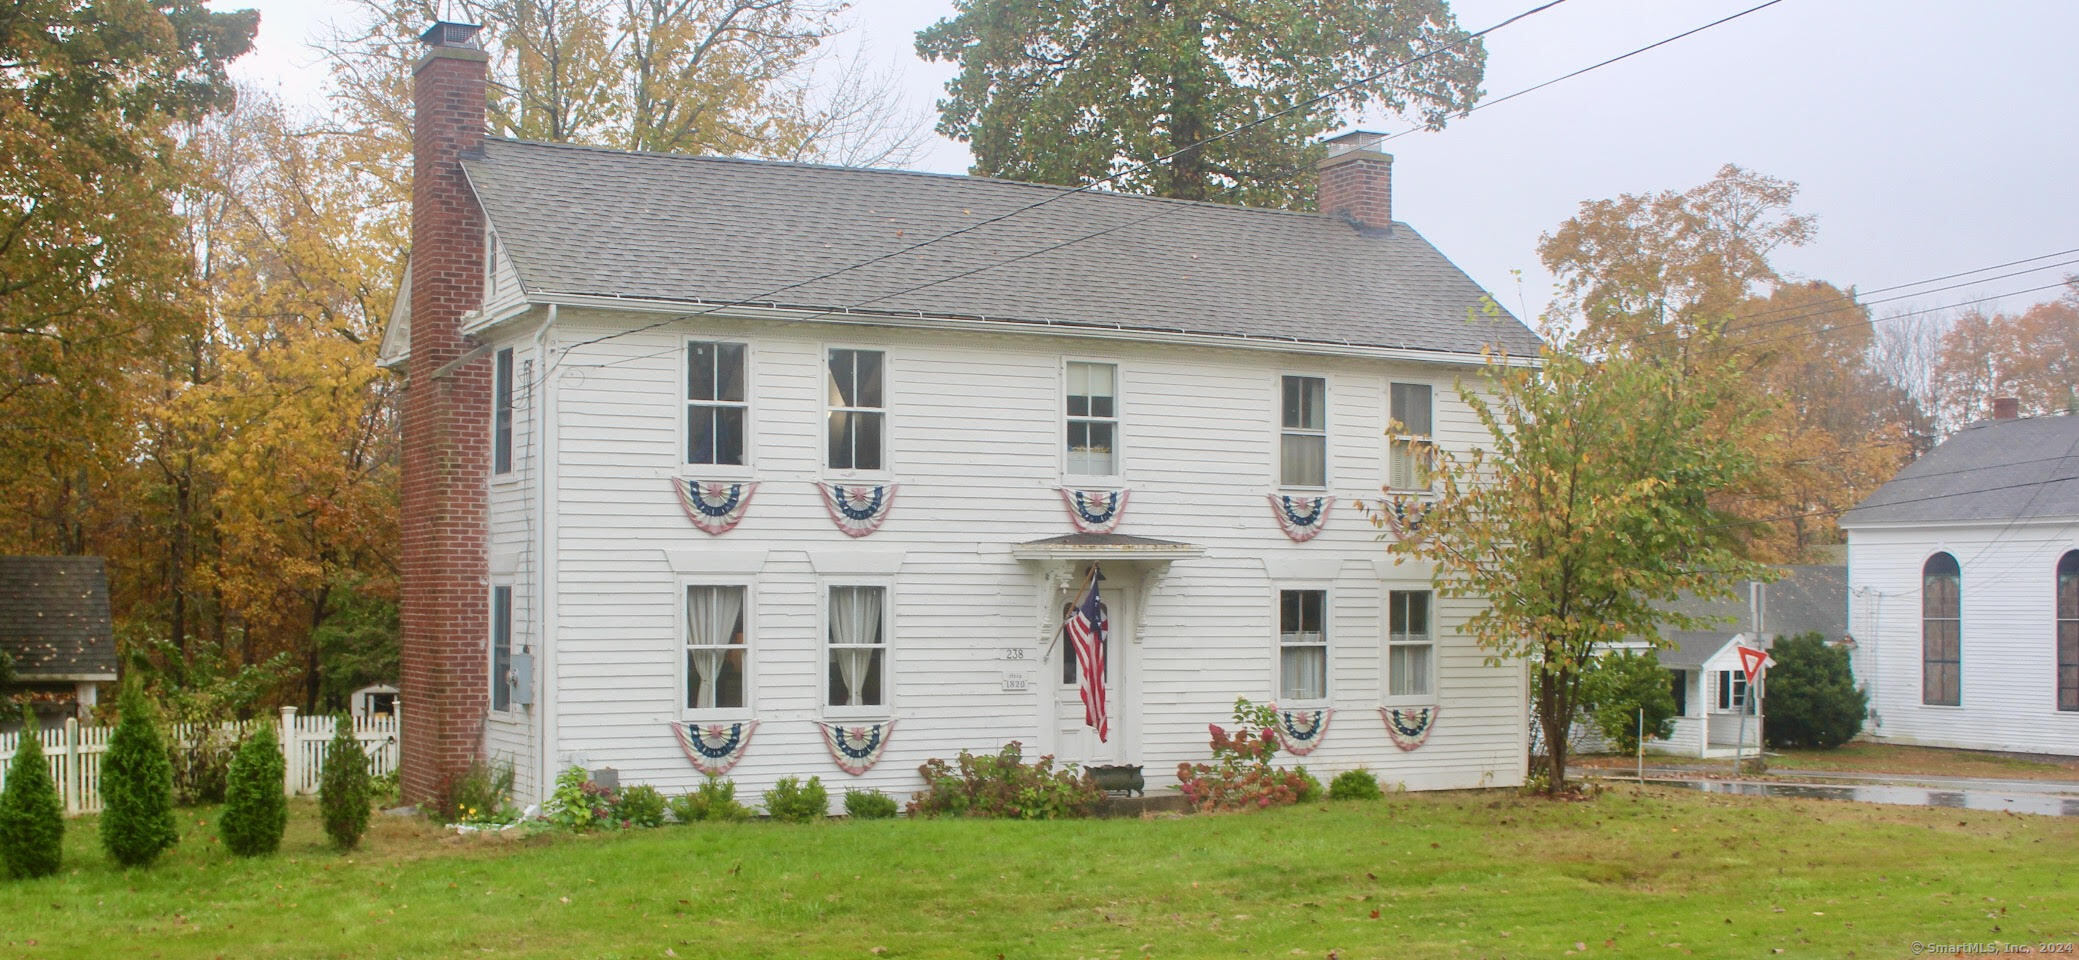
1095	511
1403	517
858	508
1302	518
715	508
1409	726
856	747
1301	730
714	747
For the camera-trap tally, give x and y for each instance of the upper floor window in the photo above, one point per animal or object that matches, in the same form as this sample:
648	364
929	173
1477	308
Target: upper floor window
716	404
1093	419
1940	634
858	646
501	647
1410	644
715	648
858	417
502	412
1303	436
1410	447
2068	632
490	263
1302	645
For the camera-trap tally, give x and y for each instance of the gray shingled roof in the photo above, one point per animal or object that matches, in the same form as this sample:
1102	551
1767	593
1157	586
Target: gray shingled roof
2025	469
1808	598
54	618
584	221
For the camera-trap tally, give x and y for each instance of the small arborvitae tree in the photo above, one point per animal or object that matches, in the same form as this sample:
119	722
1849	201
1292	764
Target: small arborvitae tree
345	789
1810	694
32	818
136	787
1618	686
256	810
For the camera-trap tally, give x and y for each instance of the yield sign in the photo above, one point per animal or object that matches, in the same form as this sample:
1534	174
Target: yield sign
1754	663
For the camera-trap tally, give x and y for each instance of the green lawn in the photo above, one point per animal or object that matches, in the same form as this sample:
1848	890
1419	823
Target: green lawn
1637	872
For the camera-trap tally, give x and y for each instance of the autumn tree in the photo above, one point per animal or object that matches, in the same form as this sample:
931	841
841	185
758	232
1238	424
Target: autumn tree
1073	92
1583	514
2032	356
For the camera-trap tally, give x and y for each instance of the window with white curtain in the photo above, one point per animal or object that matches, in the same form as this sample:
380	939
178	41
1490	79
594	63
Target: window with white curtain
1093	419
1410	644
1303	437
1410	447
1302	645
715	648
858	645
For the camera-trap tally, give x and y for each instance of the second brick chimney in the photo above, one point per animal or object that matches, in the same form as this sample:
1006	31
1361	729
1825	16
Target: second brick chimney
2006	408
1357	181
446	407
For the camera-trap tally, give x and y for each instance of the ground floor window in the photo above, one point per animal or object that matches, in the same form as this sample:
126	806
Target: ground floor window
1410	644
501	647
1678	683
1302	645
1732	692
716	648
858	646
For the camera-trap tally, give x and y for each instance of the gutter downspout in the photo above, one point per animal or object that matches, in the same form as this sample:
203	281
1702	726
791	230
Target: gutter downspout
547	470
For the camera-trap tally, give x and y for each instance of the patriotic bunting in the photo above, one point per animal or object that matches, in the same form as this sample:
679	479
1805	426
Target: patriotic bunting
856	747
1095	511
1301	517
1409	726
715	508
1404	517
714	747
858	508
1302	730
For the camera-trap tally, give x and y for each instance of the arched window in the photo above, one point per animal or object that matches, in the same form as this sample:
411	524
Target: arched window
2068	632
1940	664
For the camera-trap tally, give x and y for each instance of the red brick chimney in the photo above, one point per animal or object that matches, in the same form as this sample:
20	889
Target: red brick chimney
2006	408
1357	181
447	435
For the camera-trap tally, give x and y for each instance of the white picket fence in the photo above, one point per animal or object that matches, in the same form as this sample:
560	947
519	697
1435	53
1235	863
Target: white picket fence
74	752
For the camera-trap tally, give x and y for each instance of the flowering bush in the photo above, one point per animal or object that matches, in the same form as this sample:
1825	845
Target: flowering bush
1004	785
581	805
1241	776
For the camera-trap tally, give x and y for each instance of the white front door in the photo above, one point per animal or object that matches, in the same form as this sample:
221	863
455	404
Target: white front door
1073	740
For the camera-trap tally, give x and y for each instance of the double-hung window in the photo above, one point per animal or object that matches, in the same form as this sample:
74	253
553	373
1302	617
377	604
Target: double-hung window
501	647
858	419
1941	641
1732	692
502	412
1093	419
2068	632
1410	449
857	635
716	404
1303	432
715	648
1302	645
1410	644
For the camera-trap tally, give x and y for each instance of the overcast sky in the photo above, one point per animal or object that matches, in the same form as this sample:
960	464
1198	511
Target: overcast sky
1929	137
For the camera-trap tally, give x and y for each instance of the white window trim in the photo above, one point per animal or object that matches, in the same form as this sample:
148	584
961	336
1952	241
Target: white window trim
887	409
490	264
1386	645
1328	642
512	645
1118	476
1391	437
889	662
718	471
1277	466
519	404
750	615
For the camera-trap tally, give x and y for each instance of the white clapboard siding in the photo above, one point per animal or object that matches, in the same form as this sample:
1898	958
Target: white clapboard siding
2008	649
974	436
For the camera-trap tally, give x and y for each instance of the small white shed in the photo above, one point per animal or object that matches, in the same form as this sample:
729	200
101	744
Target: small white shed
374	700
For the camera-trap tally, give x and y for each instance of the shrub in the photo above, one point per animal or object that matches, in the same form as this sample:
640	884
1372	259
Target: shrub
136	787
32	818
640	806
345	788
481	795
1004	785
1241	776
714	799
1812	700
202	764
256	810
791	801
579	804
1354	785
1309	786
1617	686
869	805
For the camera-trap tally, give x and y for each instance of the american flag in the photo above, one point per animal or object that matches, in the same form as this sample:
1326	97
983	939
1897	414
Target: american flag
1088	630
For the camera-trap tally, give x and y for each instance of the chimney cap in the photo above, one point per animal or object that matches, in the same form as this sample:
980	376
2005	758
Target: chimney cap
448	33
1354	141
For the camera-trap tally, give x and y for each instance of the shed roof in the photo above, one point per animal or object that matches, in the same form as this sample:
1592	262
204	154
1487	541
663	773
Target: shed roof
54	619
705	230
1992	470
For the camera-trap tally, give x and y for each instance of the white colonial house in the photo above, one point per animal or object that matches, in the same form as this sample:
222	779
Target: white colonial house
1964	590
791	469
